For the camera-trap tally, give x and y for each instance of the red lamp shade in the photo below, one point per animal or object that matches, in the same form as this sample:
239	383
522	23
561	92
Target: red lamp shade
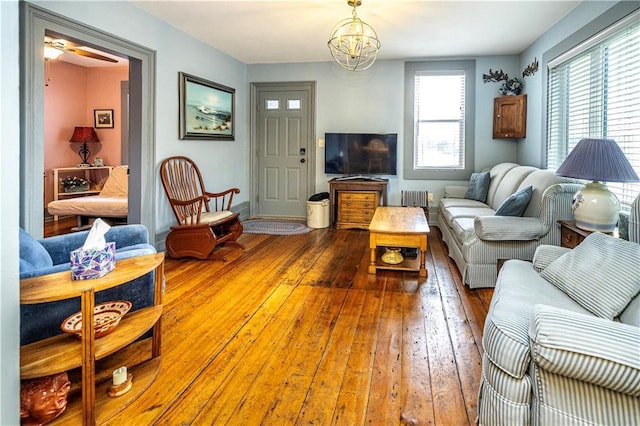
84	135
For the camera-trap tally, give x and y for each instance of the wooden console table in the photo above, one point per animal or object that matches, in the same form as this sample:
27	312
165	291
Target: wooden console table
354	201
65	352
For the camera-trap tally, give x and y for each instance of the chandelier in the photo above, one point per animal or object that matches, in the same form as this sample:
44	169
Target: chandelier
353	43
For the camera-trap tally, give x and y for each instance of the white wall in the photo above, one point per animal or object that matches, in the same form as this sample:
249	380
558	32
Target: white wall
222	163
9	175
373	101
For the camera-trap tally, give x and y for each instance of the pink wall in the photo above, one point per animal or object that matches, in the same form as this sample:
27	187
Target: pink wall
73	92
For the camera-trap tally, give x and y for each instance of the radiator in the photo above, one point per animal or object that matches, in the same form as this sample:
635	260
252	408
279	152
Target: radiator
415	198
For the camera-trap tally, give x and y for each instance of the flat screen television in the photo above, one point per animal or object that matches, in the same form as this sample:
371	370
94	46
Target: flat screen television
361	154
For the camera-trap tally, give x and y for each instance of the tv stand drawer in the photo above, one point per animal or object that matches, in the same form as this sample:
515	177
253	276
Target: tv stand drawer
356	208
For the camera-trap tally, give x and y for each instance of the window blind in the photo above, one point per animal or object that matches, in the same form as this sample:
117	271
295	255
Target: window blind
596	93
439	119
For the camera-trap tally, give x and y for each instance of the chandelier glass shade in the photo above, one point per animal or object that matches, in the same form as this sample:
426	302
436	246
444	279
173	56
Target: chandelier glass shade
353	43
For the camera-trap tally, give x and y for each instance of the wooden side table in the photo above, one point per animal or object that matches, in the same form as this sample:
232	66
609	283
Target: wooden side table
571	235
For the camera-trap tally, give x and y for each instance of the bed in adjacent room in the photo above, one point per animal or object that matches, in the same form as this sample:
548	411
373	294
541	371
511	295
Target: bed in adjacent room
110	203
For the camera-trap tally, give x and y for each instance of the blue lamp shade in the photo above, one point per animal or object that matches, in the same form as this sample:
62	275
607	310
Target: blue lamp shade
595	208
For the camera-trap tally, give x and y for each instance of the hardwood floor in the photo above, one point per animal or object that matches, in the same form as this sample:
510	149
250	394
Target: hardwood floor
293	330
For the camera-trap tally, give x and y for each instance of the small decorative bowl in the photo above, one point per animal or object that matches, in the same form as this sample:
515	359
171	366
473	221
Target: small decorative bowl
106	317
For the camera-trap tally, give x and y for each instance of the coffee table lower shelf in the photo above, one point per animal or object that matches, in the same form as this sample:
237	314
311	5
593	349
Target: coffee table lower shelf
410	264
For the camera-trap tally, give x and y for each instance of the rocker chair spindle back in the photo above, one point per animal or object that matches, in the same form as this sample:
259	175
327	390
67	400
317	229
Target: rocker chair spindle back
200	229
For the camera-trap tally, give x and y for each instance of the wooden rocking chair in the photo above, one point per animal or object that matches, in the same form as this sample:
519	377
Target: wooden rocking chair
205	219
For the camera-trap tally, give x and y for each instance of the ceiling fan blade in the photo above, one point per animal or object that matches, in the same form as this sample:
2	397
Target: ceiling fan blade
89	54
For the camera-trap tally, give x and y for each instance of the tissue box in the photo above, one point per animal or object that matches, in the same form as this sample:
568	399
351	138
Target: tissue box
88	264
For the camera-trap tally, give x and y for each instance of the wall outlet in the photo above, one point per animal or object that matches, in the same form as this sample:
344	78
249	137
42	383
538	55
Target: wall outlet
430	196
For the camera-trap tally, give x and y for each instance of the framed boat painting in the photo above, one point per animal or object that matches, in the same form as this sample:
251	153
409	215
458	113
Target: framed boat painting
207	109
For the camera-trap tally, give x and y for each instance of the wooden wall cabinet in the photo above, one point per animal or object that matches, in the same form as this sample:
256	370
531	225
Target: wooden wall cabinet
510	117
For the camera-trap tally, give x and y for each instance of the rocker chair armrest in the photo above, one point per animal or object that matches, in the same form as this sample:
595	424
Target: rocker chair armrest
200	199
222	200
223	193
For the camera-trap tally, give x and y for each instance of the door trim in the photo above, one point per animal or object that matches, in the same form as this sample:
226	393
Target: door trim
142	69
310	87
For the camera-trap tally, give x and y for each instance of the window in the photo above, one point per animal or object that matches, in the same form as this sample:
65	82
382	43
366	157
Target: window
439	120
594	91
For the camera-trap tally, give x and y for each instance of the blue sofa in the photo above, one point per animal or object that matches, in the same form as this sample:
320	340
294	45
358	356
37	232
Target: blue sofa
50	255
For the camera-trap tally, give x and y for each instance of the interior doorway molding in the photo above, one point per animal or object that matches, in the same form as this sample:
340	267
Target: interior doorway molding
34	22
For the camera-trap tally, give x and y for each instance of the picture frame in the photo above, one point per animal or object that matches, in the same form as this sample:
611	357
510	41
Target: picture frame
103	118
207	109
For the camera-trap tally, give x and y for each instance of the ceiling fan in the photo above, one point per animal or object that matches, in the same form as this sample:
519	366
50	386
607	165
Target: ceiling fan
61	45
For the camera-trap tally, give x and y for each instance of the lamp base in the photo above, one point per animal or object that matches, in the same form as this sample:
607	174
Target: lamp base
595	208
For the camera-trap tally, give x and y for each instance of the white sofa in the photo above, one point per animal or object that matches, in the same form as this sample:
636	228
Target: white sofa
555	352
477	239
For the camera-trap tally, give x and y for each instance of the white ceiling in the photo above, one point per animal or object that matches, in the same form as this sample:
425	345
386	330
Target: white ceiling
292	31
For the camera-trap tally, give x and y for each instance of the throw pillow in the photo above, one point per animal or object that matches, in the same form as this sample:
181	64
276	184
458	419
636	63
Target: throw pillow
515	204
602	274
33	255
478	186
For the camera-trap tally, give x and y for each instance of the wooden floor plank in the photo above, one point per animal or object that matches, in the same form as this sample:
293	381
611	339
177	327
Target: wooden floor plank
320	398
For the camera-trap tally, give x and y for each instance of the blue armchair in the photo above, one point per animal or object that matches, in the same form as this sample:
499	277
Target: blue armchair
50	255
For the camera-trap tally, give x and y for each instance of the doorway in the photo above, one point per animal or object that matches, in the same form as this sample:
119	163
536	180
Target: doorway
283	129
34	23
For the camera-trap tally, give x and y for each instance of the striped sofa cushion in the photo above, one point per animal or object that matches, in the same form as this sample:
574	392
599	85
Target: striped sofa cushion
602	274
587	348
586	369
506	331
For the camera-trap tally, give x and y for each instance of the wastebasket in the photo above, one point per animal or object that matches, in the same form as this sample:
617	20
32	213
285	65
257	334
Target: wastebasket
318	211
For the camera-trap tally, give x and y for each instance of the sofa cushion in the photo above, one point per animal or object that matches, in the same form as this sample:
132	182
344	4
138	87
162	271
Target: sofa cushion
631	314
602	274
478	186
460	212
516	203
506	331
33	255
463	228
117	184
511	183
446	203
606	351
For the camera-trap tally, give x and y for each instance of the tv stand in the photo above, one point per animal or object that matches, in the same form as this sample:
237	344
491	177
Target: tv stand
354	200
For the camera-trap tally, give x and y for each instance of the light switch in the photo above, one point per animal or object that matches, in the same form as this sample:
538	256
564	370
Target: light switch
320	143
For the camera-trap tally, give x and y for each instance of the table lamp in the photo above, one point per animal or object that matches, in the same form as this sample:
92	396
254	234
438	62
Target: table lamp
595	208
84	135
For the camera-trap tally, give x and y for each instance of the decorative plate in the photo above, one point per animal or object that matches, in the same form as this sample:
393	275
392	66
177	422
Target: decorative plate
106	317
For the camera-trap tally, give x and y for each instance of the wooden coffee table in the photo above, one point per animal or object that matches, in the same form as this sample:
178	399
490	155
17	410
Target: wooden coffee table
398	227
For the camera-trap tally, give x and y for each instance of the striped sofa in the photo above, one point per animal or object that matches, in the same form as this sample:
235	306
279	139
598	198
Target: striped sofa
477	239
554	359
